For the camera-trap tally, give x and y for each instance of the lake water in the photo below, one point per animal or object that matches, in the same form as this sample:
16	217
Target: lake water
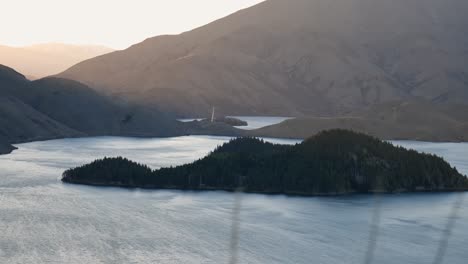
253	122
45	221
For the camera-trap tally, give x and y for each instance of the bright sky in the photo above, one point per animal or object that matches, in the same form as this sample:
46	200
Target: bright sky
114	23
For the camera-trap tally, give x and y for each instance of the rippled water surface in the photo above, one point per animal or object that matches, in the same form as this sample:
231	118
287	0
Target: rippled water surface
45	221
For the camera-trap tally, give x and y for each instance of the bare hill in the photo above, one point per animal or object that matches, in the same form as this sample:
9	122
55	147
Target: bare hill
297	58
401	120
43	60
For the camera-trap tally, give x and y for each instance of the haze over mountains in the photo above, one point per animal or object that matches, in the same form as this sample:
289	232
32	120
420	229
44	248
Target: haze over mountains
43	60
297	58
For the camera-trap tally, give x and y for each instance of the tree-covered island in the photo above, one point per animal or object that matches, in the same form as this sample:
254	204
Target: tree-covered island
331	162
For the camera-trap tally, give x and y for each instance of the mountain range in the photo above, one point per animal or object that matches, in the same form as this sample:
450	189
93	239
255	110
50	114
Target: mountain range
298	58
41	60
57	108
52	107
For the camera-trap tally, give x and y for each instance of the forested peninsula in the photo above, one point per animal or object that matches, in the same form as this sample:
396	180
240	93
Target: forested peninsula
330	163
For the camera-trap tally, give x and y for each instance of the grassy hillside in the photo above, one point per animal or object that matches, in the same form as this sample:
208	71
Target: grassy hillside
297	58
397	120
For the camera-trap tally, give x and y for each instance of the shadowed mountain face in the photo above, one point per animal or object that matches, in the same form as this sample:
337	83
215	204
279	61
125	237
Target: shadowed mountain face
297	57
56	108
38	61
5	147
19	121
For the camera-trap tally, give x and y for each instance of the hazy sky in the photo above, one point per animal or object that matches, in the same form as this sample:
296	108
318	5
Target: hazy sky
114	23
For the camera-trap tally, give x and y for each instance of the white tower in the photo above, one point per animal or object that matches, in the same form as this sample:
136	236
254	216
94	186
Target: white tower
213	115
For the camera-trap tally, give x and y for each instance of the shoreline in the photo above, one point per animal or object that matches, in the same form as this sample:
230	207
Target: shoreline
272	193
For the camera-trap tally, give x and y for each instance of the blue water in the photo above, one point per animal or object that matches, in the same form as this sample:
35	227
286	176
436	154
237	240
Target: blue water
45	221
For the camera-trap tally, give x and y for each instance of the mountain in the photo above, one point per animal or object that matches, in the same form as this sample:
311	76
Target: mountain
5	147
43	60
332	162
19	121
56	108
297	58
419	120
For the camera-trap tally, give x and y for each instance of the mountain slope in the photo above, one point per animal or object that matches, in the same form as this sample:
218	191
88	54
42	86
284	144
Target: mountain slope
5	147
19	121
56	108
298	57
43	60
397	120
83	109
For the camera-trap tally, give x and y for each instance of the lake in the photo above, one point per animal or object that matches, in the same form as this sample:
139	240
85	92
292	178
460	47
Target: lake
45	221
253	122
